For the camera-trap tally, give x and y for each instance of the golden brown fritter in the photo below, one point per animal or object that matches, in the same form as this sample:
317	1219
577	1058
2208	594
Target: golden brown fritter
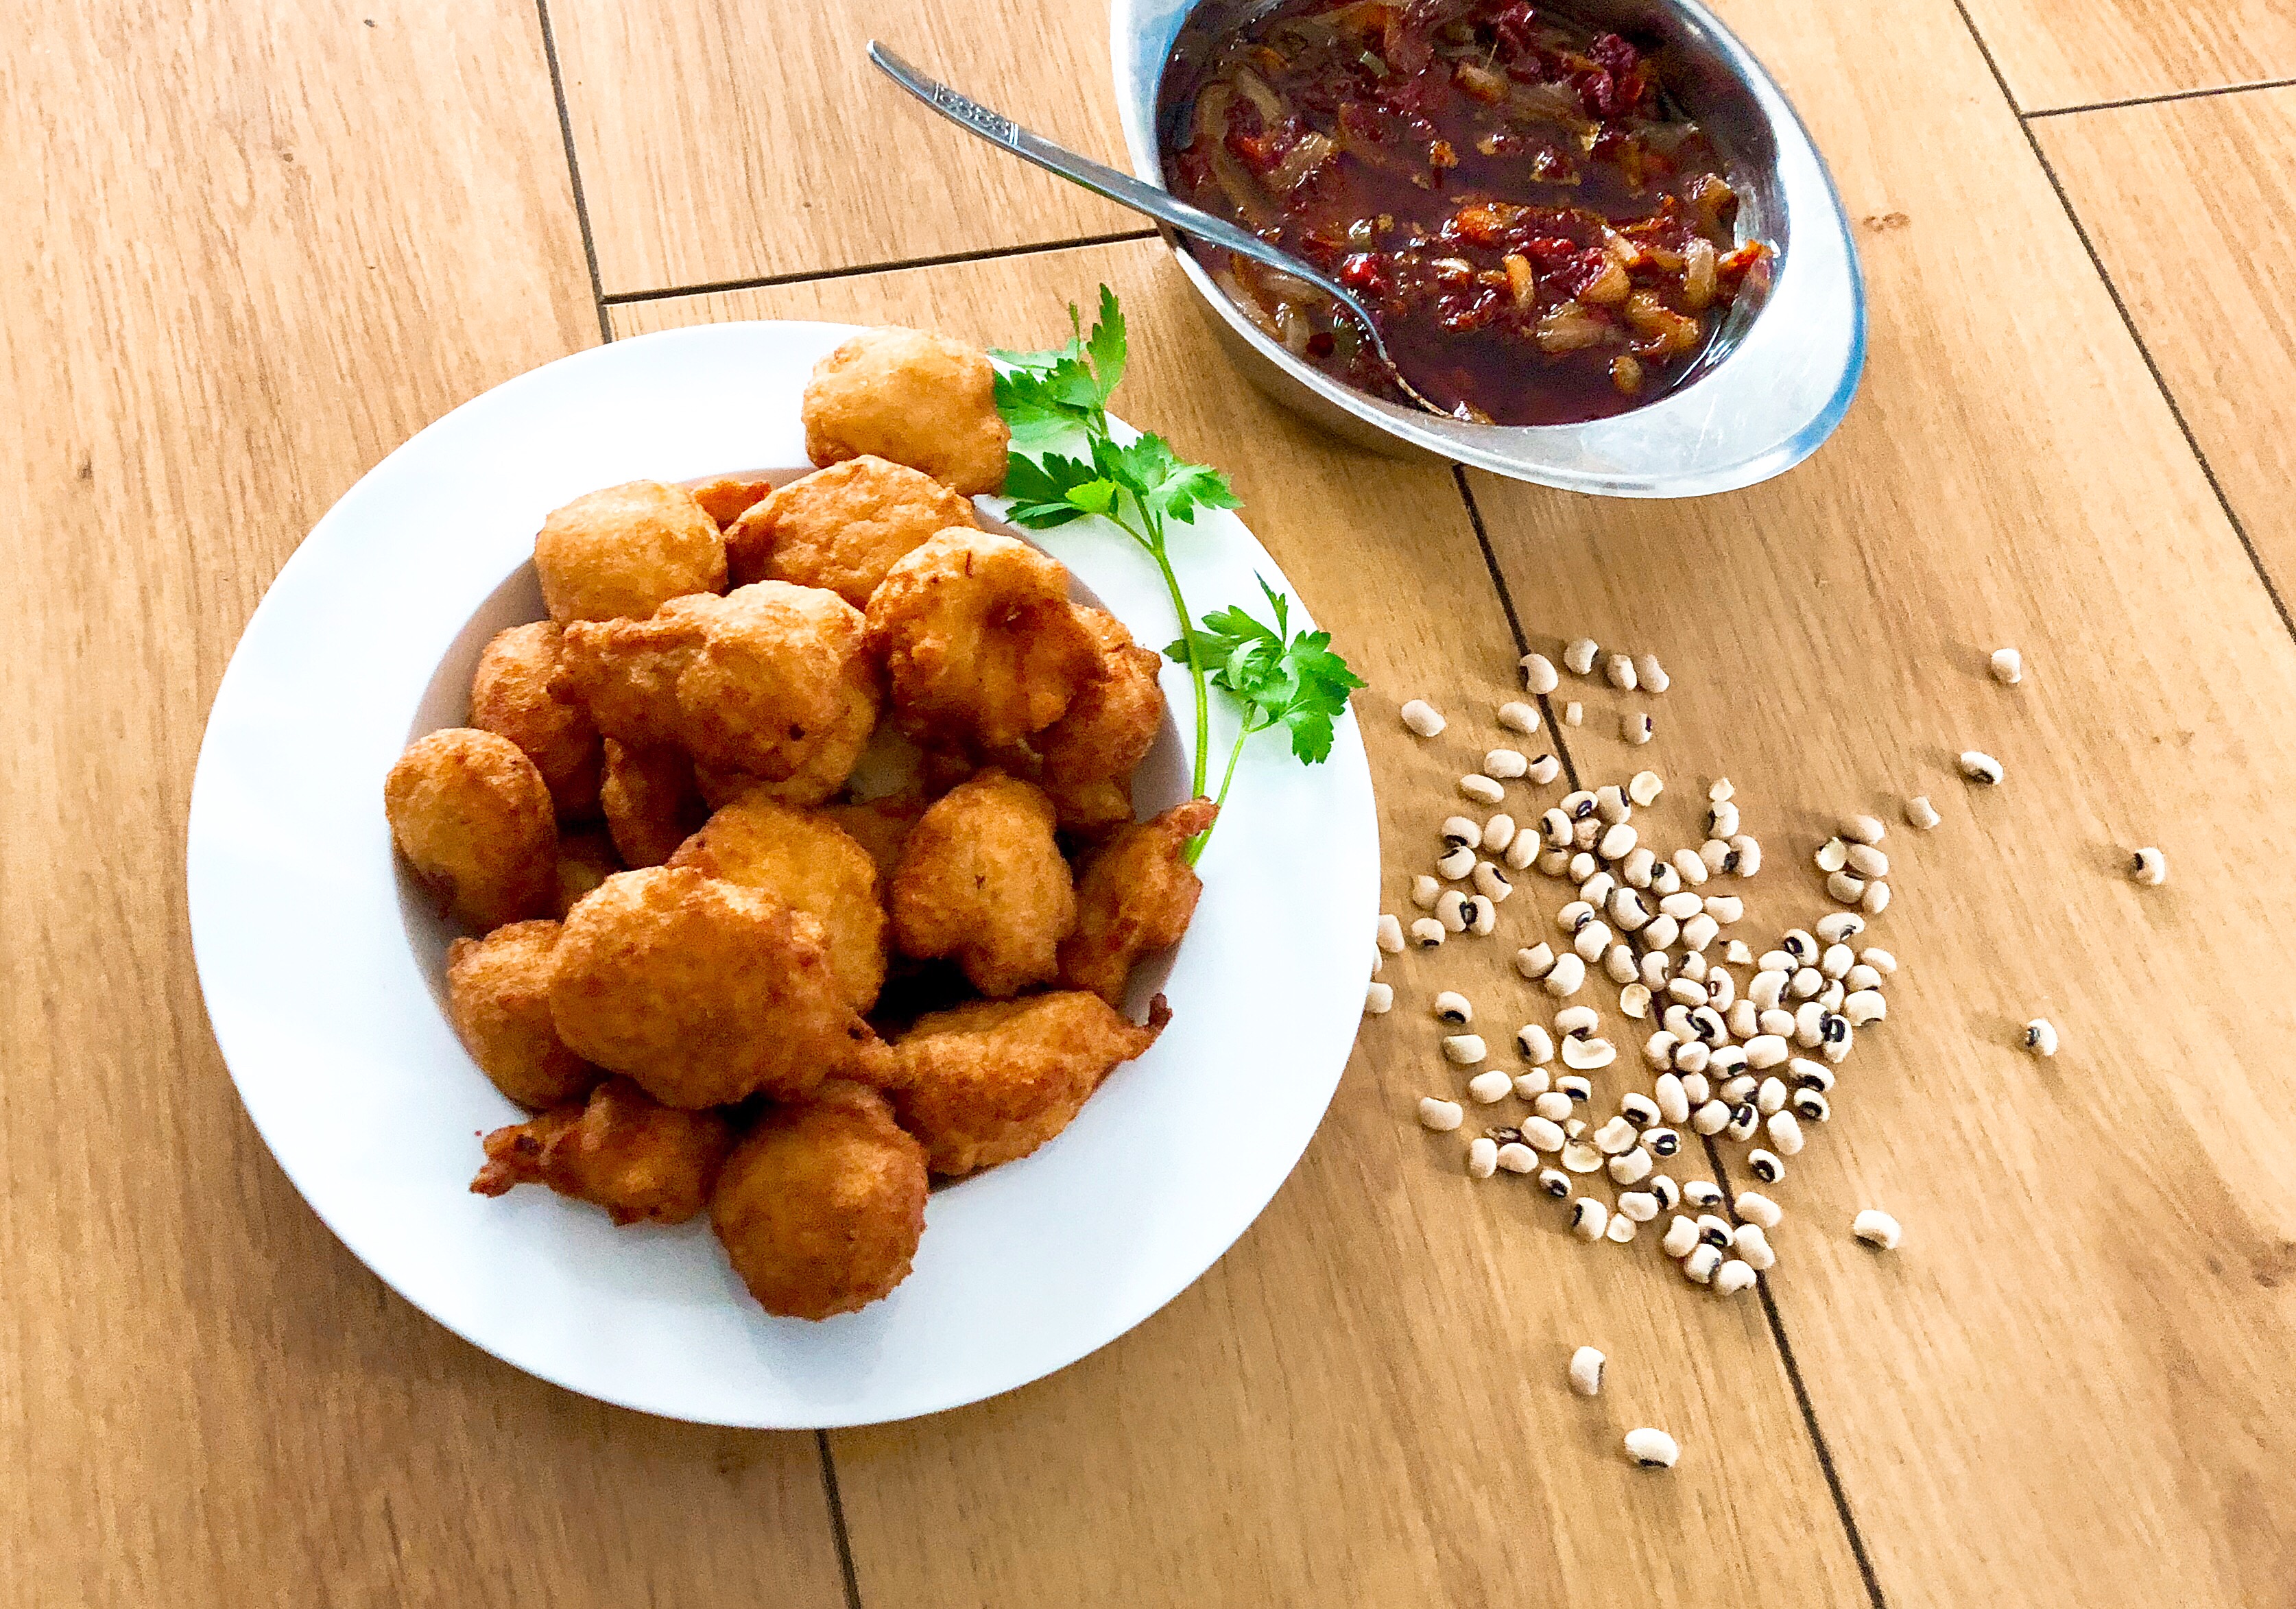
774	681
650	803
808	862
820	1207
842	527
643	1162
1136	895
626	551
585	858
880	825
982	880
474	820
499	999
1091	810
510	696
703	991
728	498
1110	724
978	640
918	399
993	1079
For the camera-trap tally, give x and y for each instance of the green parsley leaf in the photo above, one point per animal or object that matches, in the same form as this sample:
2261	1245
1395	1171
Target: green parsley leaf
1299	684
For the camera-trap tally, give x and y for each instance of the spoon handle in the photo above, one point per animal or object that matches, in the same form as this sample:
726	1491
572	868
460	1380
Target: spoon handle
1121	188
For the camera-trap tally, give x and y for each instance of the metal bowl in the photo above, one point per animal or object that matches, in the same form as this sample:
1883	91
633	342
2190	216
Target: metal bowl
1772	386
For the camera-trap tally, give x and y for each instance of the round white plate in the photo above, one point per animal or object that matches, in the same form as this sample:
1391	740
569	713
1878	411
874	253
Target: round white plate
326	999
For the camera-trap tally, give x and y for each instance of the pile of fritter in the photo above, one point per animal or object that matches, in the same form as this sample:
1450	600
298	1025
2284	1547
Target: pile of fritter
721	981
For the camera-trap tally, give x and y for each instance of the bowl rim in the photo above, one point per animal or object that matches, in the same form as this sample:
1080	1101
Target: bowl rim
1764	408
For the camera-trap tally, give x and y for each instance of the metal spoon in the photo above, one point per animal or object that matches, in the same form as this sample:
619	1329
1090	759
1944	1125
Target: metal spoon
1126	190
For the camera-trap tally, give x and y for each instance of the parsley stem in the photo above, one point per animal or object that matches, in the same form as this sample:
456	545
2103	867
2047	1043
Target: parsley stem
1153	541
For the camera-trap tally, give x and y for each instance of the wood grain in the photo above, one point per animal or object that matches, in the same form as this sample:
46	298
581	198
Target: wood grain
2190	205
1363	1402
2054	54
2070	1386
251	248
722	141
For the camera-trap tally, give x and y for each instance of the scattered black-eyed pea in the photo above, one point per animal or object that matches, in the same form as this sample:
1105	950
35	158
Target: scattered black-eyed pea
1753	1248
1862	976
1875	899
1832	855
1461	832
1812	1103
1634	1001
1620	1229
1652	1449
1490	1086
1726	909
1671	1099
1745	856
1681	1237
1880	960
1574	714
1756	1208
1665	880
1661	932
1482	1156
1784	1130
1455	864
1590	1218
1532	1082
1616	1135
1580	1156
1733	1276
1770	1095
1699	932
1516	716
1658	966
1464	1050
1579	1089
1515	1157
1555	826
2148	866
1866	1005
2007	665
1618	669
1710	1119
1836	927
1586	1371
1869	862
1686	993
1691	1057
1451	911
1738	952
1878	1229
1505	764
1982	768
1535	963
1522	850
1441	1116
1658	1050
1544	769
1644	787
1743	1122
1652	674
1620	965
1739	1090
1535	1043
1836	959
1592	941
1698	1266
1921	814
1543	1133
1483	914
1577	1020
1491	883
1424	892
1765	1165
1556	1183
1379	998
1635	727
1390	934
1482	789
2041	1036
1635	870
1578	656
1744	1018
1498	833
1563	978
1553	1105
1538	675
1848	888
1422	718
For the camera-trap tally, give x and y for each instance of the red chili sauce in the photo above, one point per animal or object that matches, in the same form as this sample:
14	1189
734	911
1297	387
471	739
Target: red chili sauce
1541	236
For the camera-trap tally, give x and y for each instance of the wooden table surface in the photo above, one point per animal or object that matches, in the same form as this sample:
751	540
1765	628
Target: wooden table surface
252	247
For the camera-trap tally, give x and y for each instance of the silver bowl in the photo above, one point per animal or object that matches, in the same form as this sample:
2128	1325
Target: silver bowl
1772	386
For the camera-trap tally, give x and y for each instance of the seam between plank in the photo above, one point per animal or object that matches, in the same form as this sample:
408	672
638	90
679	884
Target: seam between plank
574	171
2166	97
622	299
837	1520
2129	322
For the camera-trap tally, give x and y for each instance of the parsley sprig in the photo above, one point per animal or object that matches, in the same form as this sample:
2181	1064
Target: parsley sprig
1292	681
1067	464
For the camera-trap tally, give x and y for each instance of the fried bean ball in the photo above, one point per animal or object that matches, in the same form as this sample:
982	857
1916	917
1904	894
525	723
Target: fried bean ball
1091	810
703	991
982	880
842	527
1136	896
626	551
880	825
1109	725
728	498
474	820
992	1080
809	863
650	802
499	999
918	399
585	858
820	1207
643	1162
510	696
978	640
773	681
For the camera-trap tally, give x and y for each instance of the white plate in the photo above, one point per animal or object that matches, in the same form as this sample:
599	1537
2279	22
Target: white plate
326	1004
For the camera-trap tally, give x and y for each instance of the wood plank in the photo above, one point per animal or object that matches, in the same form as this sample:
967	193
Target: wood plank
722	141
2073	1377
251	248
1363	1402
2059	55
2189	204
